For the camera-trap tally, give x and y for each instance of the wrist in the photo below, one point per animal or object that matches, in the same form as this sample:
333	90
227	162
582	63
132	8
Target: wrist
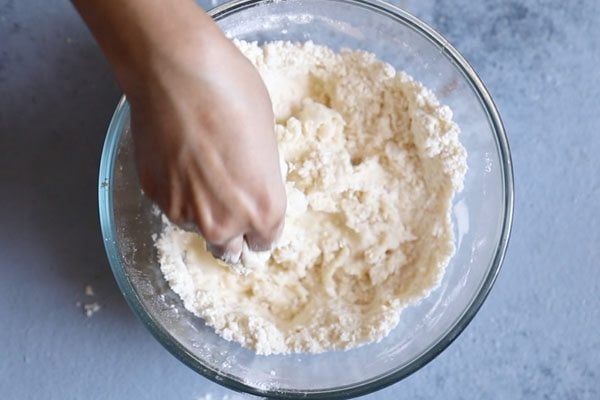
157	59
140	37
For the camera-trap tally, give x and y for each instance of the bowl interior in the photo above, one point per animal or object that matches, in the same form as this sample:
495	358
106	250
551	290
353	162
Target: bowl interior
481	213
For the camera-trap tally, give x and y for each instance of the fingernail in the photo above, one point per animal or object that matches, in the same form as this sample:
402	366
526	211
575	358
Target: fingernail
230	258
226	256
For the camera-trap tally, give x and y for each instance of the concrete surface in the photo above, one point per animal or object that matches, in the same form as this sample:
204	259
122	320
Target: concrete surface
537	335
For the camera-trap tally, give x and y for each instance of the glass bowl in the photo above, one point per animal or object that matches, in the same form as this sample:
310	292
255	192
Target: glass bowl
482	212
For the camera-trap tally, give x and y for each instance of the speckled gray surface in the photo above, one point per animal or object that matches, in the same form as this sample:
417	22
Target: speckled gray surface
536	337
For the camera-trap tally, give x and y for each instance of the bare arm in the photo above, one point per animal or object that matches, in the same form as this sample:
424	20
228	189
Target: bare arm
202	119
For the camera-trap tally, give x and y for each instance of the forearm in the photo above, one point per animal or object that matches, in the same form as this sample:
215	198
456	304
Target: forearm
135	33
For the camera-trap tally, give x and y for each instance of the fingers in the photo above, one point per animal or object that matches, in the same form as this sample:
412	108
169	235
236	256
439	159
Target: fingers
191	208
221	228
175	208
225	230
230	252
263	241
267	219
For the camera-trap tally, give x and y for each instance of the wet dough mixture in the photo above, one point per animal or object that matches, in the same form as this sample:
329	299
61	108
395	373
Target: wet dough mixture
372	162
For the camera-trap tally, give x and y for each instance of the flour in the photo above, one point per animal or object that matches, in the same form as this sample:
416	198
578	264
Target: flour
372	162
91	309
89	290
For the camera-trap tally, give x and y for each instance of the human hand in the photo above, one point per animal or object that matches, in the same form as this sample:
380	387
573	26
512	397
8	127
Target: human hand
206	152
201	117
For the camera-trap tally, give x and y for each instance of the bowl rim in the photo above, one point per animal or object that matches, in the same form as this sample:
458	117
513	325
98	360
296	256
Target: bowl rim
106	214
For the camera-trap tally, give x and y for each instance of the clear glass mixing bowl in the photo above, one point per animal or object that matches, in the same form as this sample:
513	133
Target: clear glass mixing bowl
482	212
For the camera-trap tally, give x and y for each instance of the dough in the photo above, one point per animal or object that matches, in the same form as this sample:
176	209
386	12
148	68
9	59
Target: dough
372	161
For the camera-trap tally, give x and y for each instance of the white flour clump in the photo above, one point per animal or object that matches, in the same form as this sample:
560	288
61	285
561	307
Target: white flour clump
372	162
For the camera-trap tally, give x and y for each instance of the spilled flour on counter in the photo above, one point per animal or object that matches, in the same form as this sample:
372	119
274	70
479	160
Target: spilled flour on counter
372	162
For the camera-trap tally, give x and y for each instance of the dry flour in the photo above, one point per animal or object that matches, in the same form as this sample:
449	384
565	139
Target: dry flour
372	161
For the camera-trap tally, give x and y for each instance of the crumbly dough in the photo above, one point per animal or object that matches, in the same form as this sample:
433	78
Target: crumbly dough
372	161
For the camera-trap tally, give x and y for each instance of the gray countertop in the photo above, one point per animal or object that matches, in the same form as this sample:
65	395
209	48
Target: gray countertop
537	336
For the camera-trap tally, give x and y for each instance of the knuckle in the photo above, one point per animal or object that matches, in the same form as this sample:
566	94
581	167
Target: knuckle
215	232
271	209
268	219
